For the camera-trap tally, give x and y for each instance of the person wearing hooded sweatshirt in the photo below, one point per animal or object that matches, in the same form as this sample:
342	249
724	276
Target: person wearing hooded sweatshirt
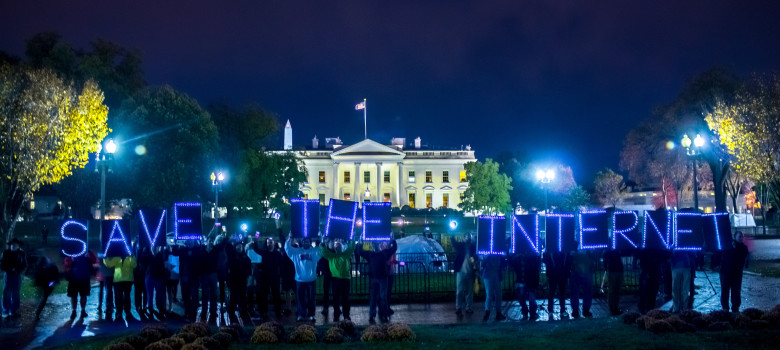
13	263
731	267
123	283
377	263
239	268
339	262
78	272
270	271
305	259
156	277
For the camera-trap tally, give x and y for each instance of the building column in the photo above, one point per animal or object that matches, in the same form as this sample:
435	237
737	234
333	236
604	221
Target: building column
355	196
335	182
379	179
400	193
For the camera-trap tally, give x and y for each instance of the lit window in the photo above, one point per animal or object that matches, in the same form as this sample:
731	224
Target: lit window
322	199
445	176
445	200
462	176
367	177
429	200
428	176
322	177
387	197
411	178
411	200
387	176
346	177
347	196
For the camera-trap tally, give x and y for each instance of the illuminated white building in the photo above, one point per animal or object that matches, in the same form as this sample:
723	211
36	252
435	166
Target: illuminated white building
368	170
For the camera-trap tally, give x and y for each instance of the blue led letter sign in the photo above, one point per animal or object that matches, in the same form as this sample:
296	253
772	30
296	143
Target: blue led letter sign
525	234
657	231
73	239
305	218
152	226
114	241
687	232
491	235
341	219
717	231
376	221
625	230
560	233
187	223
593	233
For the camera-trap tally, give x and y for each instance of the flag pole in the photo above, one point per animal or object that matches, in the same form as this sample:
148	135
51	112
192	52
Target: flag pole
365	124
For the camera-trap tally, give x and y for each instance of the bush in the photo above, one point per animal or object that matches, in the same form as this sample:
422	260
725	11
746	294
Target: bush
187	337
658	314
138	342
753	313
689	315
174	342
643	321
223	338
334	336
373	336
193	346
158	345
400	332
719	326
631	317
347	326
208	343
273	327
303	334
718	316
772	317
119	346
151	334
234	333
678	324
660	326
264	336
757	325
197	328
700	322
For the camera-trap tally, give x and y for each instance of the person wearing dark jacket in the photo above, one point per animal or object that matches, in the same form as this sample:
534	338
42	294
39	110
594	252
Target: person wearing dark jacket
270	274
527	268
650	262
377	272
613	263
324	270
78	272
13	263
156	277
681	264
46	278
491	268
209	256
144	257
583	265
557	268
239	268
732	265
188	277
465	274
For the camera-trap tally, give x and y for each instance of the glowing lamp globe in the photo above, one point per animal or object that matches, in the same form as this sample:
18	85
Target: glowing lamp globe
686	141
539	174
221	176
111	146
550	174
698	141
453	224
244	227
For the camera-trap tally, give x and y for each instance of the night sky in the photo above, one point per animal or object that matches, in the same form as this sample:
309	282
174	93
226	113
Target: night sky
560	80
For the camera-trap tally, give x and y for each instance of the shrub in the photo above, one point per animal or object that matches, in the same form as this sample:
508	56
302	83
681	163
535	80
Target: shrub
631	317
208	343
347	326
187	337
264	336
174	342
772	317
700	322
718	316
373	336
334	335
689	315
658	314
660	326
119	346
151	334
223	338
642	322
400	332
375	328
753	313
158	345
193	346
719	326
197	328
757	325
678	324
303	334
234	333
273	327
306	328
138	342
741	321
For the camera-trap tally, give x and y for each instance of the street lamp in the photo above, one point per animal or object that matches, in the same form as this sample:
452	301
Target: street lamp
545	177
104	161
692	152
216	182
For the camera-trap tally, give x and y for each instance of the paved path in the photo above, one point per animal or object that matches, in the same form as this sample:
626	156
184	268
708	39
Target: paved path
52	329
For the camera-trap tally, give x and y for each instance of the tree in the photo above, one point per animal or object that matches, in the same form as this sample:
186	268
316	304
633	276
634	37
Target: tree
577	198
609	188
168	154
268	181
47	129
488	190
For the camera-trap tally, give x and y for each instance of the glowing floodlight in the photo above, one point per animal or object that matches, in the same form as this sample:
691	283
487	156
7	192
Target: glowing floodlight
244	227
453	224
698	141
110	146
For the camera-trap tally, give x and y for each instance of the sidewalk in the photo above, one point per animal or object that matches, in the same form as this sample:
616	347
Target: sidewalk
53	330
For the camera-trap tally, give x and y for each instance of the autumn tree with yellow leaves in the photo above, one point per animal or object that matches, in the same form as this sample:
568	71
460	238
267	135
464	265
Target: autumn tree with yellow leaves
47	129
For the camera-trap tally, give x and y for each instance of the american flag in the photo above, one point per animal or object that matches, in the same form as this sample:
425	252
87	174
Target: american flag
361	105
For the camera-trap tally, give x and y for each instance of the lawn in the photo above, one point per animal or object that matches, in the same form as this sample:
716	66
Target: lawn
605	333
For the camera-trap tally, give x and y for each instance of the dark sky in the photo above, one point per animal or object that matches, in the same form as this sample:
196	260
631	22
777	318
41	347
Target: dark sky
561	80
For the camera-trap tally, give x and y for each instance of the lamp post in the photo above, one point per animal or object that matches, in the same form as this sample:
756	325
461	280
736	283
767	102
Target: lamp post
692	152
104	165
367	195
545	177
216	182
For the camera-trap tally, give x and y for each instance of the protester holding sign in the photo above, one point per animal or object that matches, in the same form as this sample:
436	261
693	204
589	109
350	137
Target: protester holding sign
305	259
733	262
123	283
682	261
650	262
270	275
492	267
156	277
466	268
557	269
143	258
188	276
528	268
105	277
583	264
339	256
78	272
613	263
324	270
239	268
377	264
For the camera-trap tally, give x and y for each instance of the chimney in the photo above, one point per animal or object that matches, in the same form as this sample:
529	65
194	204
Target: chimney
417	143
288	136
315	143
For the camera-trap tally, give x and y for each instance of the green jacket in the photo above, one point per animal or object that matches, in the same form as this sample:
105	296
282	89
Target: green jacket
339	263
123	268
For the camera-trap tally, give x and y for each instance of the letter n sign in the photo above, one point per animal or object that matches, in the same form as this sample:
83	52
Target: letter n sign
491	235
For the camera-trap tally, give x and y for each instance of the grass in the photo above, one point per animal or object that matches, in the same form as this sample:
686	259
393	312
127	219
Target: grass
604	333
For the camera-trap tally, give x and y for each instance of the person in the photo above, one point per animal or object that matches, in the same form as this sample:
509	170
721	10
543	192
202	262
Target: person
78	272
681	279
105	278
188	277
156	277
582	267
377	273
287	279
392	267
253	284
491	272
557	269
339	256
733	262
144	257
123	269
47	277
172	284
305	259
270	274
650	262
527	269
207	261
239	268
324	270
45	235
466	269
613	263
13	263
222	268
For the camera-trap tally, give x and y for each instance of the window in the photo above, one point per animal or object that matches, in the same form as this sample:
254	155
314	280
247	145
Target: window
322	199
367	177
347	196
428	176
322	177
411	178
445	176
411	200
387	197
305	196
346	177
445	200
462	176
429	200
387	176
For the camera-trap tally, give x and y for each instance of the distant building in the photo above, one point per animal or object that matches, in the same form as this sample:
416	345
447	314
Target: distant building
650	198
419	177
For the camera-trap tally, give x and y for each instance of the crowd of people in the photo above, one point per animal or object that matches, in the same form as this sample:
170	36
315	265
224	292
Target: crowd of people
243	275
